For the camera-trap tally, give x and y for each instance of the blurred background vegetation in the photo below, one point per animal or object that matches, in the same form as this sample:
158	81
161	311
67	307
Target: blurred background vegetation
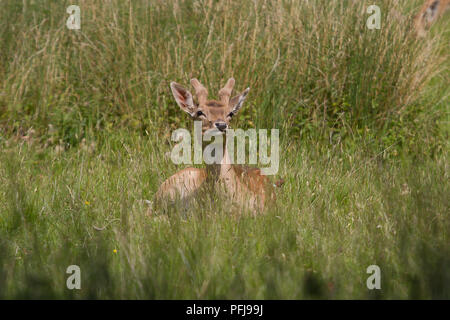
85	123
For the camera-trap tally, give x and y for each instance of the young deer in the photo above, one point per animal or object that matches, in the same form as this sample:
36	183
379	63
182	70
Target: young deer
244	186
428	14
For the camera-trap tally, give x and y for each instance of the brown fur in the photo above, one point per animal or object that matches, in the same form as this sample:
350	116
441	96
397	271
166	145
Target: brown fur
431	11
182	184
244	186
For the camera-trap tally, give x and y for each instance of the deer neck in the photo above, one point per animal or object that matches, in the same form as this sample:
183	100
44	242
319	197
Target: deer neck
223	169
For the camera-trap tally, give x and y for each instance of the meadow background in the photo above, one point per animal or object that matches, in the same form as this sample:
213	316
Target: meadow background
85	124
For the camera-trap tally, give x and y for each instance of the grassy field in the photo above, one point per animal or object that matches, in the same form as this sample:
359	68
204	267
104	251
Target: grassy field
85	123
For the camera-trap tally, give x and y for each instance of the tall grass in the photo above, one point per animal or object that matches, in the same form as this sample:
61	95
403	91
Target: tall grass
85	123
311	65
337	214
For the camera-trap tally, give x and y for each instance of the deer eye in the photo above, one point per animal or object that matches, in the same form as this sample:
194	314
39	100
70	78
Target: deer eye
231	114
199	114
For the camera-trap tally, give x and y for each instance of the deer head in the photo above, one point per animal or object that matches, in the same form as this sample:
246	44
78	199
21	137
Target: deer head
214	114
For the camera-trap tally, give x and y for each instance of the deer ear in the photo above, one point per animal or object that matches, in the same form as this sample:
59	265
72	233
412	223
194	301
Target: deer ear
183	97
237	101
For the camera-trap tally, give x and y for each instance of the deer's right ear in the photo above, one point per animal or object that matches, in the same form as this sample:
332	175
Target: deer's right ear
183	97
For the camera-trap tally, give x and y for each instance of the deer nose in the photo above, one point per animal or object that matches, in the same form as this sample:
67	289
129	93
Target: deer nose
221	125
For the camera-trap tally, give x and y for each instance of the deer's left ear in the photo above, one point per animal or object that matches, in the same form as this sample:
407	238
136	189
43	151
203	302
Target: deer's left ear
237	101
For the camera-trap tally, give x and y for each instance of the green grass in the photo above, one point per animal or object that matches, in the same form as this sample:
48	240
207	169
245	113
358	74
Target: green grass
337	214
85	123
